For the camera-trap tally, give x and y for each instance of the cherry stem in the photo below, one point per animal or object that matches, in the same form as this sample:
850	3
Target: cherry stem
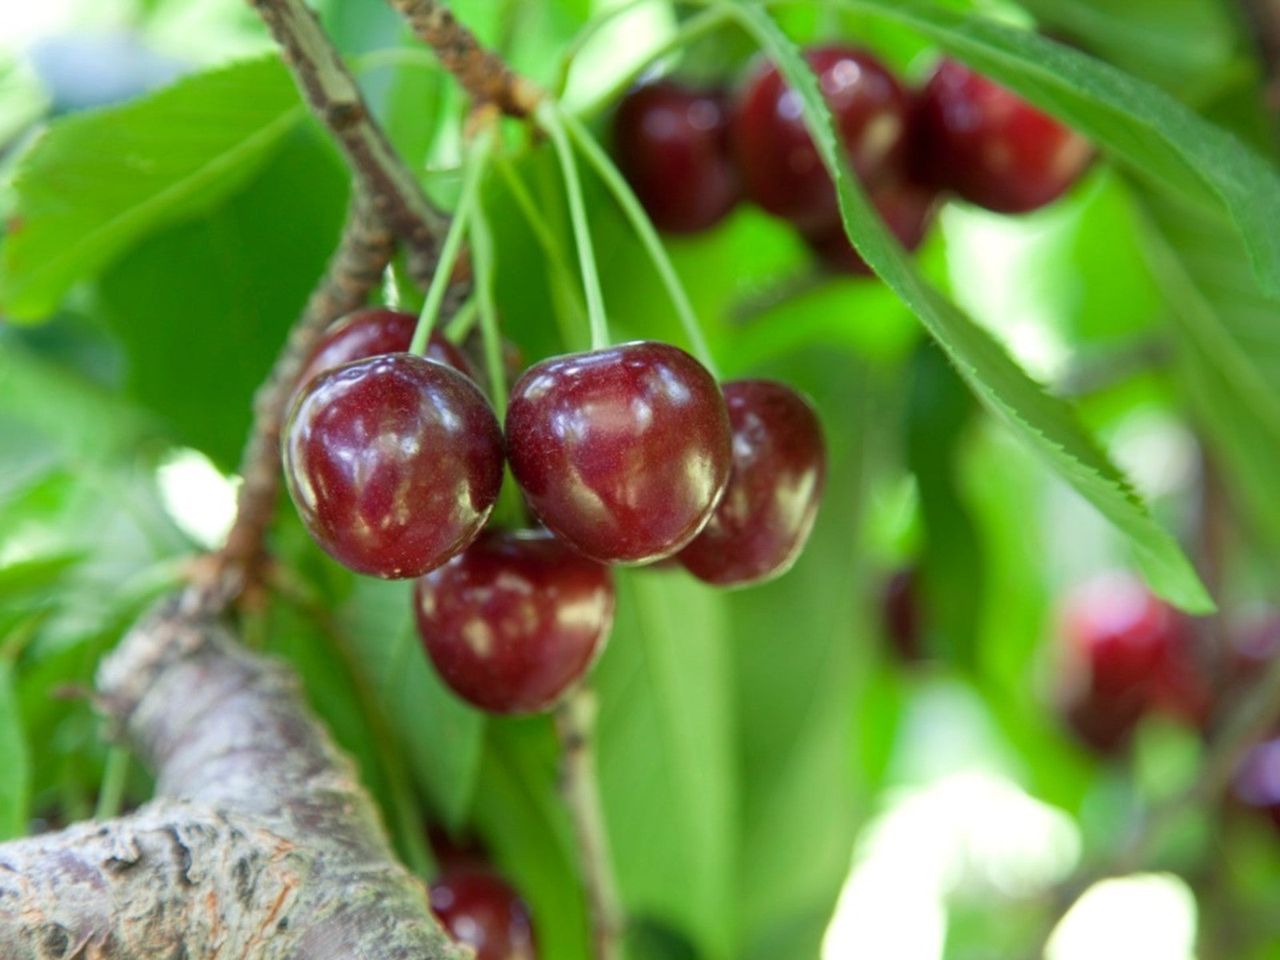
472	173
482	253
649	239
552	120
463	321
580	787
114	778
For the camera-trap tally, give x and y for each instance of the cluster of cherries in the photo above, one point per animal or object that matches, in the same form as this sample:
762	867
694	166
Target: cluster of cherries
692	154
477	906
627	455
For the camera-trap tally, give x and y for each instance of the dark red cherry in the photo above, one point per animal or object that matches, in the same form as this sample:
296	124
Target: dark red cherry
1105	723
482	910
900	610
514	620
373	332
780	166
990	146
1257	781
768	508
624	452
906	209
672	144
394	463
1120	634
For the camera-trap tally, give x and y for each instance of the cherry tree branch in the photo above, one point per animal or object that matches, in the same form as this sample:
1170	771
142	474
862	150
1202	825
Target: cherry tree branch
481	72
331	92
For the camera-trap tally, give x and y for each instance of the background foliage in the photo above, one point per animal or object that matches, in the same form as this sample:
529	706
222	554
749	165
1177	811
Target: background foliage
157	250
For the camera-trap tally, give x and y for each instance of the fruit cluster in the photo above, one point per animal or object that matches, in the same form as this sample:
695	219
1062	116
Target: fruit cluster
627	455
692	154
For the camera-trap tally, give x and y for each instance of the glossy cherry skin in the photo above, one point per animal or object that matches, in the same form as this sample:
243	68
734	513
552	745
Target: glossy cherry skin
990	146
906	209
768	509
480	909
623	452
780	167
393	462
515	620
373	332
672	144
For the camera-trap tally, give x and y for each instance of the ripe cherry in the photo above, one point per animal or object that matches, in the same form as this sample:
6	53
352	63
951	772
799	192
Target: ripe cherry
991	146
373	332
672	144
906	209
483	911
1257	781
1120	634
623	452
781	169
515	620
394	463
900	610
1104	723
768	508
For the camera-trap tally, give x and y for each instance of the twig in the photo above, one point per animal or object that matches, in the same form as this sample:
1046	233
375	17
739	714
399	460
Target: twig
331	91
579	786
355	269
1262	18
482	73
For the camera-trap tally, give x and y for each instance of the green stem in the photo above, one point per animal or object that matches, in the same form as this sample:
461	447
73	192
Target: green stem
114	777
643	226
462	322
473	170
482	252
551	120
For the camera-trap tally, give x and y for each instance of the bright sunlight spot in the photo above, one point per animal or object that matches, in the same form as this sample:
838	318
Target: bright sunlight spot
617	49
1152	916
960	828
198	498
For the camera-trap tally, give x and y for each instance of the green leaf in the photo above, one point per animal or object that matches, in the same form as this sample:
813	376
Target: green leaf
96	182
1137	123
14	760
201	308
441	736
1227	354
1046	423
666	756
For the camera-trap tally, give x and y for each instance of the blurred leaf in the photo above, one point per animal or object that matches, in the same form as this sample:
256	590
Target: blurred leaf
665	755
441	736
803	650
1046	423
14	760
1228	350
939	410
97	182
201	308
1136	122
519	813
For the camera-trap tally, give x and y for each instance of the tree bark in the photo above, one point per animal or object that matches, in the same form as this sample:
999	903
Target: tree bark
261	843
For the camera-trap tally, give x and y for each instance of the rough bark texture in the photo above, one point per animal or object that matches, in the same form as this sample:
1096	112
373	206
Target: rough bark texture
480	72
261	845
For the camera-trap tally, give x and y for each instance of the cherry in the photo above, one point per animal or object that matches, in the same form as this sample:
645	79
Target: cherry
373	332
1121	634
623	452
768	508
672	146
781	169
1257	781
990	146
513	621
906	209
1104	723
483	911
394	463
901	614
